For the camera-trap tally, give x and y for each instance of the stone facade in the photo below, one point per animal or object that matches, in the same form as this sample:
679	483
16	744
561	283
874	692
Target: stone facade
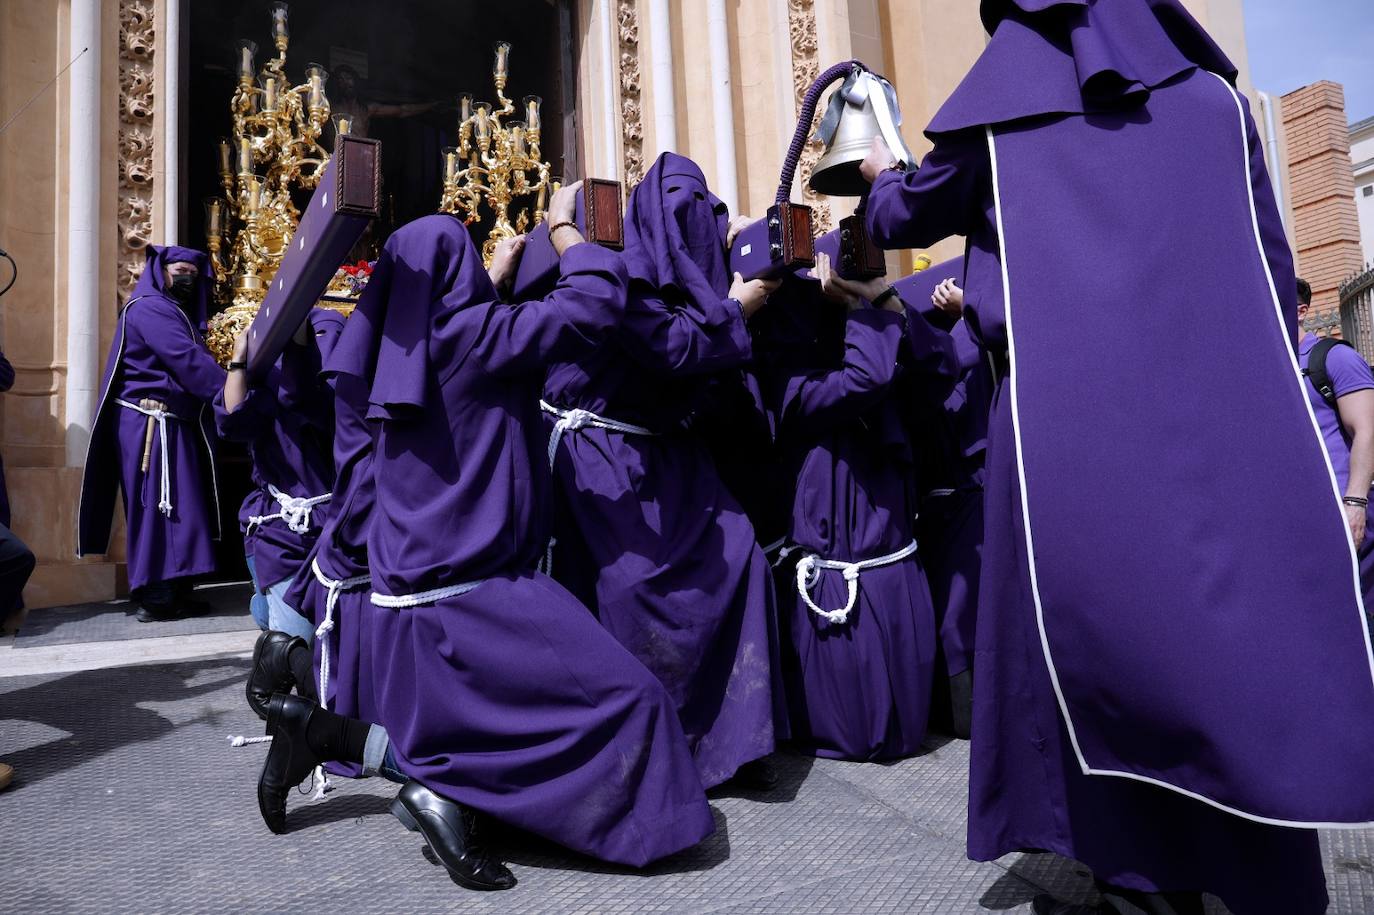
1325	223
1362	158
773	48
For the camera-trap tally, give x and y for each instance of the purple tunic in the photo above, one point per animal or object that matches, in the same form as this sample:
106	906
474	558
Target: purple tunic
287	421
951	441
1163	648
647	529
500	691
6	382
157	353
858	687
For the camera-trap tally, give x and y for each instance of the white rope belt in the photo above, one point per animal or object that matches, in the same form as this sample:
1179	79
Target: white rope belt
164	504
406	601
295	510
809	570
571	421
334	587
940	493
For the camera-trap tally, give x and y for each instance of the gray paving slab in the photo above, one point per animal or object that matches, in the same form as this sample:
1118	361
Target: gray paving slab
110	621
129	799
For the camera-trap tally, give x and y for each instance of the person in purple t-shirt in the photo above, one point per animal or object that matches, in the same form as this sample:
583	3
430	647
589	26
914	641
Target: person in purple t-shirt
1347	430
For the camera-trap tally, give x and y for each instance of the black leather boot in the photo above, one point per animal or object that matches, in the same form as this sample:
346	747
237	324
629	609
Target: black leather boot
271	671
289	760
452	832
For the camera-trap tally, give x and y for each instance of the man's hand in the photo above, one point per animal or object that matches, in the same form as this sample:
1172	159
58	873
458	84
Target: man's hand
751	294
948	297
878	160
1355	519
504	261
851	292
240	346
736	224
563	209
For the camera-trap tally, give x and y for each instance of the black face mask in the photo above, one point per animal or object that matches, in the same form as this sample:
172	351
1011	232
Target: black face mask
183	288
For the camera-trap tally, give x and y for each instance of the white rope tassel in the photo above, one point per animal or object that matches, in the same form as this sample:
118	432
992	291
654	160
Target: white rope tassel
406	601
295	510
241	741
335	587
572	421
809	573
164	504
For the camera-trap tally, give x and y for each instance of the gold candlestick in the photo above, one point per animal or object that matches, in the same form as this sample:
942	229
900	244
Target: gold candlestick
497	162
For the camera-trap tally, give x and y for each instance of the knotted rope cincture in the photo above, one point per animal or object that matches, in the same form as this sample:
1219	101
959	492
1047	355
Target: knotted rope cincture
406	601
161	416
572	421
809	569
295	510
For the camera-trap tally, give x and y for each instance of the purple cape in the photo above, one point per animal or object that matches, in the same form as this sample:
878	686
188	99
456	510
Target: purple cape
648	533
501	691
1171	635
157	353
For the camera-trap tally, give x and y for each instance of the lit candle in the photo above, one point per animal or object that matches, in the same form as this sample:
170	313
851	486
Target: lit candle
464	107
517	138
502	60
269	93
532	112
245	156
247	51
316	74
226	164
343	123
214	217
280	32
482	123
450	164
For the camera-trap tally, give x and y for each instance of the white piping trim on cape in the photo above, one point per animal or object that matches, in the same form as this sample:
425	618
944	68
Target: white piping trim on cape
1025	505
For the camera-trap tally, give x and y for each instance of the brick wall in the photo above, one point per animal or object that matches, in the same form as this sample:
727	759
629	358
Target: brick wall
1325	221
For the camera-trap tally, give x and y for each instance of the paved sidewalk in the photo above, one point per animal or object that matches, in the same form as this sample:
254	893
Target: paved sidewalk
129	799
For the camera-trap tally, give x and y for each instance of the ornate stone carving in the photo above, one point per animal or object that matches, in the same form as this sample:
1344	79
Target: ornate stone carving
801	26
631	107
137	44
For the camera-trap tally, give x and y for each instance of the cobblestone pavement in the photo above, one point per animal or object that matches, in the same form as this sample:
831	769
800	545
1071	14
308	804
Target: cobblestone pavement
129	799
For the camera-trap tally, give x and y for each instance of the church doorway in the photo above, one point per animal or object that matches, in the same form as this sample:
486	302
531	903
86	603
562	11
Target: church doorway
398	68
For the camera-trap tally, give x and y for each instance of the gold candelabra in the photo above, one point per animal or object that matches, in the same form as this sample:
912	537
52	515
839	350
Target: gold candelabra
497	162
273	150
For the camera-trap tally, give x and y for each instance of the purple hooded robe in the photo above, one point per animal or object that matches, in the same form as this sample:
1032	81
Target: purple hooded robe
858	687
647	531
157	353
951	448
498	689
1171	652
287	421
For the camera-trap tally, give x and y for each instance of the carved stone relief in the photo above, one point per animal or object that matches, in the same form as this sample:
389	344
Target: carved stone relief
631	103
137	42
801	23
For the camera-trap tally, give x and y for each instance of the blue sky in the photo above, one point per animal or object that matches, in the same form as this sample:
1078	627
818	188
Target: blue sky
1296	42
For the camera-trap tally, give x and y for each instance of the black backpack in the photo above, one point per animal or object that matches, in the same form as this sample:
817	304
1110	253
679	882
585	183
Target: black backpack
1316	368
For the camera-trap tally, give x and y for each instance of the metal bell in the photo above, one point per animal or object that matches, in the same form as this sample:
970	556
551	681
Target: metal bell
836	173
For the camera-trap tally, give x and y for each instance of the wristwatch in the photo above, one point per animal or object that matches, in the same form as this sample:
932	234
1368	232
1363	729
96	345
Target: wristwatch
238	366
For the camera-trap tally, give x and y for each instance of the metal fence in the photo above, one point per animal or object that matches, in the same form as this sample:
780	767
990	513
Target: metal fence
1357	312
